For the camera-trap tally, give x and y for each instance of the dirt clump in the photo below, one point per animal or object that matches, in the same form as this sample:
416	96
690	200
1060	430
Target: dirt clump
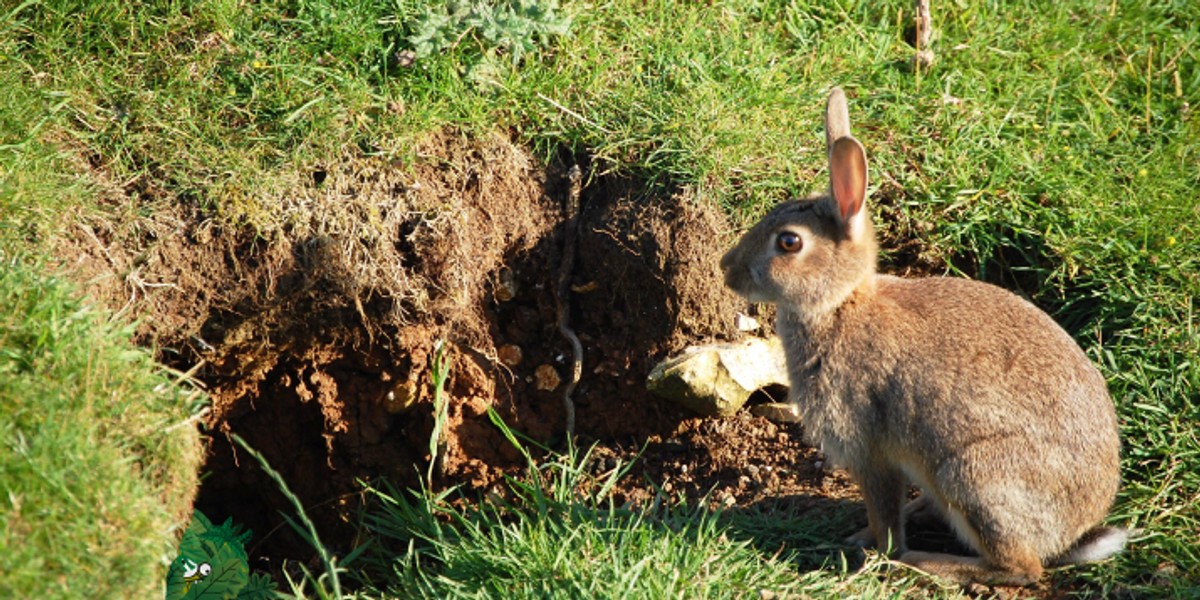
315	337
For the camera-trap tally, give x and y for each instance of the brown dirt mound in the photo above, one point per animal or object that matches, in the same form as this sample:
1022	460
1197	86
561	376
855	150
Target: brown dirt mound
315	338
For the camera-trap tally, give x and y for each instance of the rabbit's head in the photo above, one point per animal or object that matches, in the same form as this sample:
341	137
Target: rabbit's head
807	256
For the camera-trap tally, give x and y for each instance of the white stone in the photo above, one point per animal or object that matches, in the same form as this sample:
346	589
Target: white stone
717	379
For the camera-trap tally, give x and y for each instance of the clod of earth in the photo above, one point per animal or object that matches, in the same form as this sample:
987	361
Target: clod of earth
546	377
510	355
716	380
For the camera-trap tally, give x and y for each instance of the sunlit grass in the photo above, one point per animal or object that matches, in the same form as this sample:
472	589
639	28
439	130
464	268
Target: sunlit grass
98	464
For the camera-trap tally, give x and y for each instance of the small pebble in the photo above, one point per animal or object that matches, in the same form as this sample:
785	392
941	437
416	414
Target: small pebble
744	322
510	355
506	288
401	397
546	378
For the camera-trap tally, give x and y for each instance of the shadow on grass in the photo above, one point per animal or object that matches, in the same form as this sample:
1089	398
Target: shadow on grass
810	529
807	528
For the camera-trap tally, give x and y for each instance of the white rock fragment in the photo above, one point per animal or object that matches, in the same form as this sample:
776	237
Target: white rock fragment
717	379
745	322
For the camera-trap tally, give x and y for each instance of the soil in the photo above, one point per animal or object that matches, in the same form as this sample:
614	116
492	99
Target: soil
315	339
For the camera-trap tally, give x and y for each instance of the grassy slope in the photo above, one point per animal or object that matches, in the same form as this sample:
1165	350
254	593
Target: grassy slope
96	474
1052	147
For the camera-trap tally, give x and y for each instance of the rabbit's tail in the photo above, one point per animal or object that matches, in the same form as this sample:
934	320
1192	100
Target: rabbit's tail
1097	544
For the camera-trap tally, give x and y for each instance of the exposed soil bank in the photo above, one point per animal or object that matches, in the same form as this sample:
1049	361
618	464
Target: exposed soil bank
315	340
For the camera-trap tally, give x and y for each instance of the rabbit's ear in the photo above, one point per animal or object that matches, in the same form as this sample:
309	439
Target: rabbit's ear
837	118
848	175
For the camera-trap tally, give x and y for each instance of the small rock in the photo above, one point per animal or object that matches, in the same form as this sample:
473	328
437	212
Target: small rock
401	397
745	322
546	378
510	355
476	406
506	287
717	379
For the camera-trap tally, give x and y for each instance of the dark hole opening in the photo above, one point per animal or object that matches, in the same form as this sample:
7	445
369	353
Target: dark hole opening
767	395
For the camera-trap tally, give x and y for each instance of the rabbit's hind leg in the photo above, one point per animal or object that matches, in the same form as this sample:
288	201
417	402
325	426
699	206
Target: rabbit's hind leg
1016	566
1004	559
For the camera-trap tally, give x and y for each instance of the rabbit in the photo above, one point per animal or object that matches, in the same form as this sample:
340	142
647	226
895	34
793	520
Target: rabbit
957	386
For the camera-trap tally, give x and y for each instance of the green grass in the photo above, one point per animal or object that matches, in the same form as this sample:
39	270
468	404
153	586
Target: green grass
557	533
1054	147
97	466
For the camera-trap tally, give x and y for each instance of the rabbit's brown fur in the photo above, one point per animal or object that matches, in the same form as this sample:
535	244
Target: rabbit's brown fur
960	387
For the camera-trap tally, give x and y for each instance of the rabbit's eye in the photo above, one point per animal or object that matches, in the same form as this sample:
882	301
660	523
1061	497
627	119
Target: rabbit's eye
789	242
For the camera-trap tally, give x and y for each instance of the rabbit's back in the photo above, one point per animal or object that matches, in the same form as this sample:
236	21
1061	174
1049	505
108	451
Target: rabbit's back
992	355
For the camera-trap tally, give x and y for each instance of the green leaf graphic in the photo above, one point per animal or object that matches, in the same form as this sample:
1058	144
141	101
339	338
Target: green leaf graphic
260	587
212	564
229	534
223	583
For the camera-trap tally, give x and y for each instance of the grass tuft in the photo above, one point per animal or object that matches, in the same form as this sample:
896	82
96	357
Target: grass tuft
96	475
